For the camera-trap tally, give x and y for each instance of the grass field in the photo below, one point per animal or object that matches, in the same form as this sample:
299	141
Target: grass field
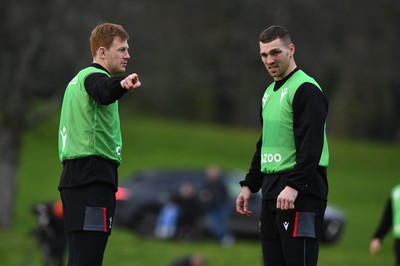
360	175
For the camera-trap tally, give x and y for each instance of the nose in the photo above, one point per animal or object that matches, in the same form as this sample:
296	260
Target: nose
127	56
269	60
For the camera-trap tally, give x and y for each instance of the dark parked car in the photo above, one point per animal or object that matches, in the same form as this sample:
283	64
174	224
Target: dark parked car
141	197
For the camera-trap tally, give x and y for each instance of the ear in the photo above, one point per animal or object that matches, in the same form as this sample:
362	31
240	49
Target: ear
101	52
292	49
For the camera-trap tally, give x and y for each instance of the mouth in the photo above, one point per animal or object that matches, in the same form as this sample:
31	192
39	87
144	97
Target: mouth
272	67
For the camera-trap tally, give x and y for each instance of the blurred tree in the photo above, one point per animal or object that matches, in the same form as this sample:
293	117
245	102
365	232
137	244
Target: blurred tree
23	46
32	69
200	60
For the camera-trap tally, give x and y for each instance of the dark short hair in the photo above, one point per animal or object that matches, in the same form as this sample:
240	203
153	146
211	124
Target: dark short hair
275	32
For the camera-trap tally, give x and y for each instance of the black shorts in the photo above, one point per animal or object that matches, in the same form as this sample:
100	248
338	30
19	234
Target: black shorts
89	208
305	220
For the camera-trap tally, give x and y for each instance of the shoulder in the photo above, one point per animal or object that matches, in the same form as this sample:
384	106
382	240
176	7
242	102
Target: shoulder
308	93
309	89
93	77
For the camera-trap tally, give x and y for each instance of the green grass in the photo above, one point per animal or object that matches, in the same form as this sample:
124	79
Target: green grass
360	175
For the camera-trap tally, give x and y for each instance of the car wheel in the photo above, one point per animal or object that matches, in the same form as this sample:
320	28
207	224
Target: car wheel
332	231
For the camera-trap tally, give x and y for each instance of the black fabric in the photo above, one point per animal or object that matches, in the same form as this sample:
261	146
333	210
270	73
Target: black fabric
272	219
103	89
290	252
273	184
310	108
86	248
77	201
385	222
296	224
82	171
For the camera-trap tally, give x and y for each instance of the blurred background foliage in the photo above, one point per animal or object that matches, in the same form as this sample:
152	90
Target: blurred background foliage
198	60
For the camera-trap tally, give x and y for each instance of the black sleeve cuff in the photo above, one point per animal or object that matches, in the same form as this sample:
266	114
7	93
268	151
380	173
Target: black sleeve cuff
253	189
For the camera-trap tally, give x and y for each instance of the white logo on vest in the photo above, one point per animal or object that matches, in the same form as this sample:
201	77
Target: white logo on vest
283	93
63	133
264	99
118	150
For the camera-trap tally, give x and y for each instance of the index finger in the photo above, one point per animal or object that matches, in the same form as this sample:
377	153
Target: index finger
134	77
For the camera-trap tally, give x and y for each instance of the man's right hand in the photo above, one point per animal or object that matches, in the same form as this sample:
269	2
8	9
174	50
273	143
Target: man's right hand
131	82
242	201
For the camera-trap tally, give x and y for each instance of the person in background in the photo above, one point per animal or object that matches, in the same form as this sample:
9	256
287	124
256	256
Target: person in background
291	158
390	219
190	260
179	215
167	221
50	232
215	198
90	144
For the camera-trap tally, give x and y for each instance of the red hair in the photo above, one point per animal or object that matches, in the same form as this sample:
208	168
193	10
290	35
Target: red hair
103	35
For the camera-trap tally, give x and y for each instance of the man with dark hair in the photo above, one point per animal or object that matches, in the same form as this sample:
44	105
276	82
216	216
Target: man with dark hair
291	158
90	144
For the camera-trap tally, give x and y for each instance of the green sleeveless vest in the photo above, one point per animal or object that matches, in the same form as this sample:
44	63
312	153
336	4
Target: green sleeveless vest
278	151
396	210
87	128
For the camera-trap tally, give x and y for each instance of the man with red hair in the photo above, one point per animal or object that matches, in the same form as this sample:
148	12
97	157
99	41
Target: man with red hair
90	144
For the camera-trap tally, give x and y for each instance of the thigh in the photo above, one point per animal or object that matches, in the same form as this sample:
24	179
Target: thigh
301	251
86	248
305	220
268	227
272	252
290	237
89	208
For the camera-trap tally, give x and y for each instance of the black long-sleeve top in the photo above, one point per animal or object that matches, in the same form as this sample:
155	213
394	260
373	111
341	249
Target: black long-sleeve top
386	221
310	109
103	90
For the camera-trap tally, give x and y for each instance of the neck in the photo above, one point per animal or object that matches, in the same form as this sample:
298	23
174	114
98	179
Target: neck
97	61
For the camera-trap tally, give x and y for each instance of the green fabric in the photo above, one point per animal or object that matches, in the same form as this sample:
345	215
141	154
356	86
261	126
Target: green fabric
396	210
87	128
278	151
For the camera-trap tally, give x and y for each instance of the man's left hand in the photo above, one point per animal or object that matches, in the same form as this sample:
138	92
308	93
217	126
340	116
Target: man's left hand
286	198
